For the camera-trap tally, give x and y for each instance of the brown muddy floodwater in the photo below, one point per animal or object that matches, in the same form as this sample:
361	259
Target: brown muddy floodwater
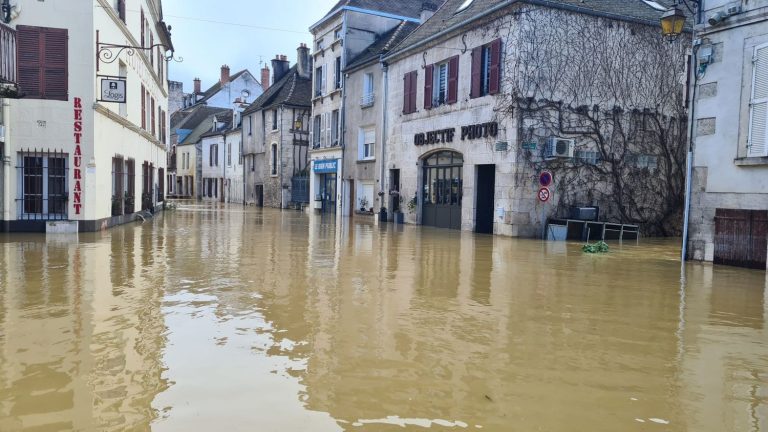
213	318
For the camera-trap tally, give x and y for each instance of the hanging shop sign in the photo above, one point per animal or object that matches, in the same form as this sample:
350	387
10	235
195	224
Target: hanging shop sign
326	166
545	178
77	173
544	194
113	90
467	133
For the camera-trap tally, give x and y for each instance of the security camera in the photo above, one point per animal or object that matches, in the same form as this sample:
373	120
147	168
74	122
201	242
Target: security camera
717	18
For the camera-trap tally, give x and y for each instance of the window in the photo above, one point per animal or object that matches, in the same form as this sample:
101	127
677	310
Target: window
320	45
213	155
642	161
42	62
337	33
274	119
757	144
337	72
316	132
335	128
274	159
319	72
240	153
120	7
229	154
368	98
441	83
249	126
152	115
253	163
486	69
44	193
409	92
587	156
367	144
464	5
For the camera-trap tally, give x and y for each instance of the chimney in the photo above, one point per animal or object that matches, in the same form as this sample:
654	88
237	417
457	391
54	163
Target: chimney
279	68
427	10
224	74
197	86
302	61
265	77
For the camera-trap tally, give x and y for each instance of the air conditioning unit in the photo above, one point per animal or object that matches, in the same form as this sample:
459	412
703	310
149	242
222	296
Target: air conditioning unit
2	133
559	148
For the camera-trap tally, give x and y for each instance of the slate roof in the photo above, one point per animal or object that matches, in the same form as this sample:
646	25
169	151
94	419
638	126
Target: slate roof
224	117
190	117
203	127
291	90
382	45
447	18
404	8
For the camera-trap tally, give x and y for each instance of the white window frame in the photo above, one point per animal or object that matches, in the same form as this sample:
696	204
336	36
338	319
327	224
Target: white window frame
366	150
437	82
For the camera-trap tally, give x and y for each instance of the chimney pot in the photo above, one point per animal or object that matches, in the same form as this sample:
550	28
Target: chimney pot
224	74
265	78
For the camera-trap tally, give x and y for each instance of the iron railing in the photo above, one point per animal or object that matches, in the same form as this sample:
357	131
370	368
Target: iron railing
7	54
367	100
43	192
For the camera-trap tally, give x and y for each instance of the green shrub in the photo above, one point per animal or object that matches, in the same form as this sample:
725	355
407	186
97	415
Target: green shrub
599	247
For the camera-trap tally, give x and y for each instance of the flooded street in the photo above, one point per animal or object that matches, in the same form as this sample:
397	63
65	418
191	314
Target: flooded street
225	318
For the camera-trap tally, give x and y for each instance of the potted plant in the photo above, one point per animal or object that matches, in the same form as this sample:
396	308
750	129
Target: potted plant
117	205
412	204
128	203
363	204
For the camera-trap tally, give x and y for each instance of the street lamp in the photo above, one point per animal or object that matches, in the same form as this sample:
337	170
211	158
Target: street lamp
672	23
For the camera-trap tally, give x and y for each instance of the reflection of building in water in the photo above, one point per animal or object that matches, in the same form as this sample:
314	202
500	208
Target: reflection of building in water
723	372
75	354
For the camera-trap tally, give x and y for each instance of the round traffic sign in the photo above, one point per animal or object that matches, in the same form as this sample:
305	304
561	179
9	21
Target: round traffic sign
544	194
545	178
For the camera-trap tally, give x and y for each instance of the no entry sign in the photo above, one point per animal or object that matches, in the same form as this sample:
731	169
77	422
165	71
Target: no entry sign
545	178
544	194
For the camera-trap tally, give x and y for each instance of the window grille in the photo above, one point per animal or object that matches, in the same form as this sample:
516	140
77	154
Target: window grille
43	191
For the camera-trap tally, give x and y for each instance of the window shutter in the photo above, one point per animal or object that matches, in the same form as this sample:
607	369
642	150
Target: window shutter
414	80
324	87
429	72
152	118
29	60
142	29
453	80
406	93
758	116
494	84
151	51
477	72
55	64
143	108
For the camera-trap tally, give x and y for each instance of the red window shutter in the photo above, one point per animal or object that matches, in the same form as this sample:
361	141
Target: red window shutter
494	84
143	108
477	72
453	80
142	28
414	90
29	60
55	65
429	73
152	114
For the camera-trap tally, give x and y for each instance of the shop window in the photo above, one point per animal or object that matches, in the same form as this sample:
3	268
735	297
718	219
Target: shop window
486	69
42	62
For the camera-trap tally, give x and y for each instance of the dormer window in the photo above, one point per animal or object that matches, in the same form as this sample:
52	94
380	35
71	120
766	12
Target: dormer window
464	5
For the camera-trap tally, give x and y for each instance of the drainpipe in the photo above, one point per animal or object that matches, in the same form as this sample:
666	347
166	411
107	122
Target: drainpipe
242	155
384	98
5	167
343	126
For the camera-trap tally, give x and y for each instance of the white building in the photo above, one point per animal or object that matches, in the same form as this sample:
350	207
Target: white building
729	214
214	149
68	155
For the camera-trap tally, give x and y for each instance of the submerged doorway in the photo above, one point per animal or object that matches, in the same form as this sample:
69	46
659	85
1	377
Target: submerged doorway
328	192
486	185
443	181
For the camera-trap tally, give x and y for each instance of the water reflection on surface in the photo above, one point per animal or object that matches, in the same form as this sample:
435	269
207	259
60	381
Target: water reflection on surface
225	318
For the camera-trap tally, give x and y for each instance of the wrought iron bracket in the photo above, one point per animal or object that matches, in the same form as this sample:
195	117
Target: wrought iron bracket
108	53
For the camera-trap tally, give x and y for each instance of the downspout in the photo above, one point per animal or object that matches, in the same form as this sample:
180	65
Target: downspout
242	155
224	170
5	166
279	159
384	98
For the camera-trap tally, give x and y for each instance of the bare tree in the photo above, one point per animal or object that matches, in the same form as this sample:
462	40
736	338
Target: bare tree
617	89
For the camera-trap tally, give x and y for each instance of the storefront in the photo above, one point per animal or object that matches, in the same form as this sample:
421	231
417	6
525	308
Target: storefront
443	180
326	184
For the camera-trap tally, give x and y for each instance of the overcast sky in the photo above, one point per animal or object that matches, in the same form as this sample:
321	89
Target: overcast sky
239	33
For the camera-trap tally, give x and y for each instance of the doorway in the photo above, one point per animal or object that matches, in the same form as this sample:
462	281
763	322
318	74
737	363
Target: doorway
486	185
328	192
394	188
443	182
741	238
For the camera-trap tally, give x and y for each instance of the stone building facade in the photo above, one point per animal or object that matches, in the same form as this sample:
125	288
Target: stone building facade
729	208
276	137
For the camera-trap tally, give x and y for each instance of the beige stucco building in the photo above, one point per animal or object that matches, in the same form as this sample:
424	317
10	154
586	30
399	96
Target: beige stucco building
71	156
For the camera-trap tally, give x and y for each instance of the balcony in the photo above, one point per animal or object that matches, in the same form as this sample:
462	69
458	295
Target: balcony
367	100
7	61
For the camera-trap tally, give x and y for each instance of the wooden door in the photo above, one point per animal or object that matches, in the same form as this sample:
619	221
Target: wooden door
741	238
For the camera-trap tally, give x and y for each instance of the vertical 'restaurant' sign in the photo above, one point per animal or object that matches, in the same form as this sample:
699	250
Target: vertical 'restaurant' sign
77	173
